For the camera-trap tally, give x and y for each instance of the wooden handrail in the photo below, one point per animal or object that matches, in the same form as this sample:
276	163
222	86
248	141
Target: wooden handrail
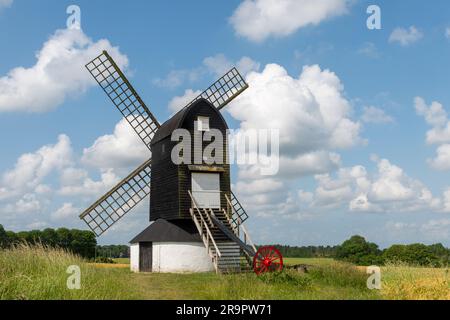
240	224
206	226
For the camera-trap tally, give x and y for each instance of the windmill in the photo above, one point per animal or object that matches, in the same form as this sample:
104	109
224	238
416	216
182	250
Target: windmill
192	207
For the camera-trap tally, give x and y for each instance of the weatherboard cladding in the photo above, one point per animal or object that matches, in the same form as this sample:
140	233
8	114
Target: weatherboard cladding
169	231
169	198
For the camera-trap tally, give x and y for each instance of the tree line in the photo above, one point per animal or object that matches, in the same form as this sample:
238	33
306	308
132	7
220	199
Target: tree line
307	251
358	251
361	252
80	242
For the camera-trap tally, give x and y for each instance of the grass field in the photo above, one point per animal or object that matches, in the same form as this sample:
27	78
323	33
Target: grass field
38	273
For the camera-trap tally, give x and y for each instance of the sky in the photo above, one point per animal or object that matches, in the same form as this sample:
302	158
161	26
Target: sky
363	113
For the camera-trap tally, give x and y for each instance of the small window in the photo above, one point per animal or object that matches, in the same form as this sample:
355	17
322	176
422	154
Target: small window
203	123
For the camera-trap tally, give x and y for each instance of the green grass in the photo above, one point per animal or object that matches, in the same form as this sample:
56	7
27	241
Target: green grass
308	261
40	273
122	260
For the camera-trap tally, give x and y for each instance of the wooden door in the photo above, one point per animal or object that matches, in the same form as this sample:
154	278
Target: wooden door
145	257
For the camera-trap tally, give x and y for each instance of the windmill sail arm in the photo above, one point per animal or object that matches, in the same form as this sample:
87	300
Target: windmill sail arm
117	87
224	90
119	200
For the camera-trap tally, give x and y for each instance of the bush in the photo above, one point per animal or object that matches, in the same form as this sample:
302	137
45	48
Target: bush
104	260
287	277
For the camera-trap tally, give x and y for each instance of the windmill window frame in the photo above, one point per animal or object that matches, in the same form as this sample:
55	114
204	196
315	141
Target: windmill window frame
203	123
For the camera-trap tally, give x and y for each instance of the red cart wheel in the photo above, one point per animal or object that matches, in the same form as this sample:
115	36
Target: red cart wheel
267	259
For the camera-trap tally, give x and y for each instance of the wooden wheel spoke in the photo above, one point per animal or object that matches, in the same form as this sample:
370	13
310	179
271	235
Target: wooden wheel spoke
267	259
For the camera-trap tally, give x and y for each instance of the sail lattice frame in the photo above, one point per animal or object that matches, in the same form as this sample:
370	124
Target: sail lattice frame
116	203
224	90
117	87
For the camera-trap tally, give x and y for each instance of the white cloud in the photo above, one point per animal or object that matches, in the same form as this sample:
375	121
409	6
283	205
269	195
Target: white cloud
446	200
78	183
58	73
313	118
179	102
387	190
28	204
370	50
375	115
310	111
220	64
437	117
32	168
447	32
122	149
405	37
5	3
258	20
66	211
442	160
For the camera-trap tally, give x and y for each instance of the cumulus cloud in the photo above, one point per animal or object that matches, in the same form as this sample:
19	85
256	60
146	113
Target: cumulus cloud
32	168
442	160
313	118
258	20
66	211
27	204
179	102
389	189
437	117
405	37
58	73
375	115
310	111
78	183
122	149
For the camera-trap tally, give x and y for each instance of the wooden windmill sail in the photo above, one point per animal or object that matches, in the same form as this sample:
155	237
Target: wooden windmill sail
220	227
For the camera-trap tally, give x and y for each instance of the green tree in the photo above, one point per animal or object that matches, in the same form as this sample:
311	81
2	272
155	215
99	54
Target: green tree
414	254
49	237
358	251
3	237
12	237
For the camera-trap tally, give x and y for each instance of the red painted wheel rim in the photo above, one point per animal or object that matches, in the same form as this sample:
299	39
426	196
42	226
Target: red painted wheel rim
267	259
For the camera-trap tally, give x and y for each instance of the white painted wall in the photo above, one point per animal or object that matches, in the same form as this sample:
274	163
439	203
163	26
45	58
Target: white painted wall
134	257
180	257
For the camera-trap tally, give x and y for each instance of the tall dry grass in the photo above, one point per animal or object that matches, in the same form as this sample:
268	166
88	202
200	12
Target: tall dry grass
404	282
38	273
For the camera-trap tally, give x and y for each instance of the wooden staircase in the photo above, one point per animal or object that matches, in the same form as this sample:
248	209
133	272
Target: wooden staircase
226	254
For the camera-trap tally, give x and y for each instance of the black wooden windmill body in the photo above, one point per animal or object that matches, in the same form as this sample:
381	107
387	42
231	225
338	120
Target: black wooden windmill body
192	206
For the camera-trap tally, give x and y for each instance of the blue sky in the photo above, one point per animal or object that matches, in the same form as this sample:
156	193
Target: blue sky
167	45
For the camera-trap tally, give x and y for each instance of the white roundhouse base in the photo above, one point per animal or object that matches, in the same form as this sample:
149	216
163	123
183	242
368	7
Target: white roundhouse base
174	257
